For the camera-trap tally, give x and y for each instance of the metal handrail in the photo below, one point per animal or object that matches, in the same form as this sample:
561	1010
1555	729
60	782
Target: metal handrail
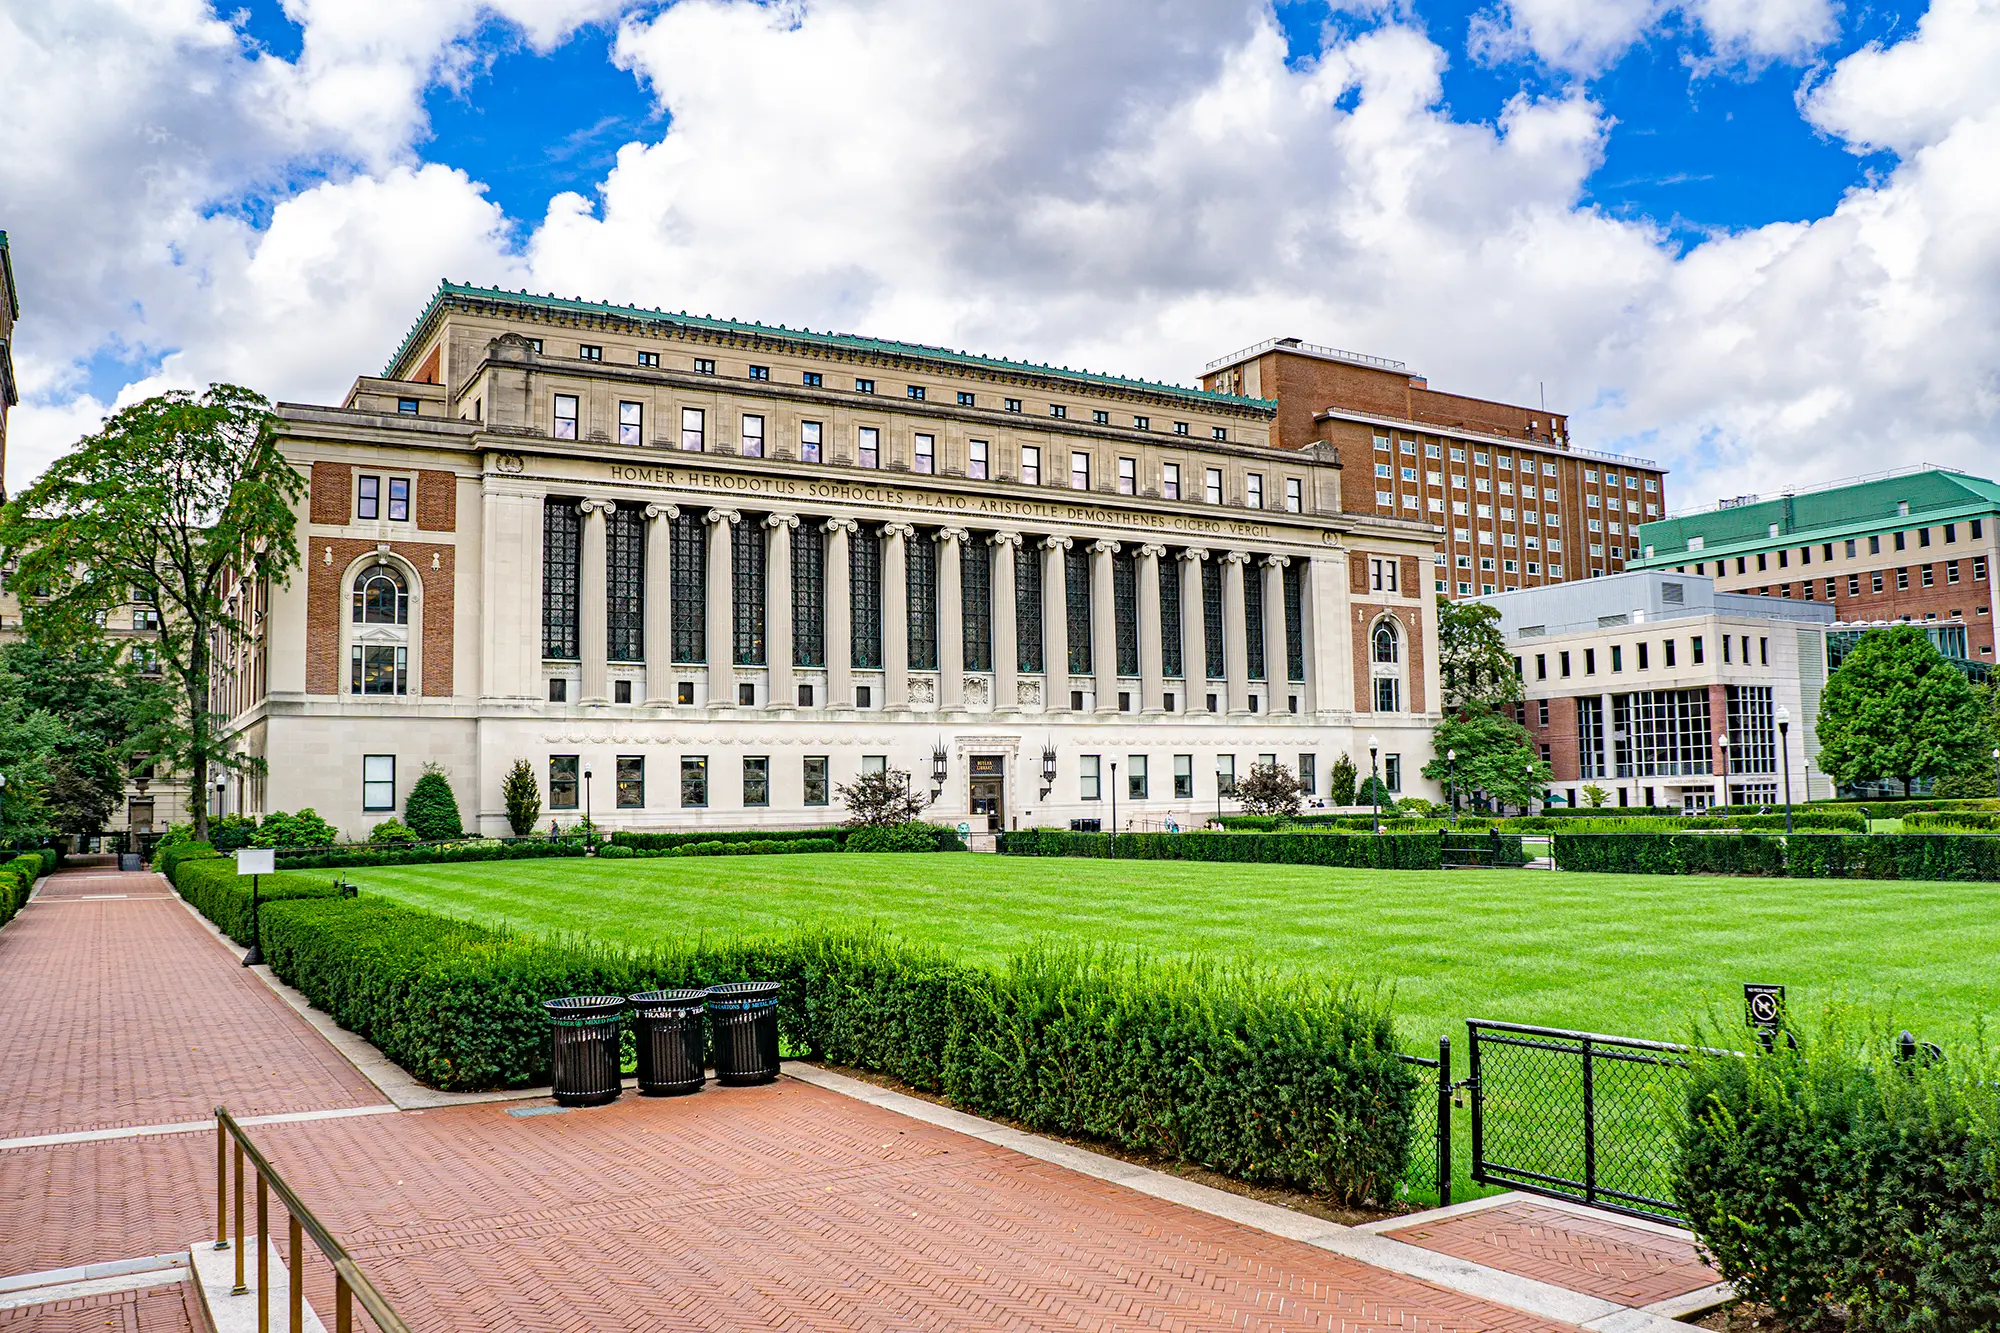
349	1282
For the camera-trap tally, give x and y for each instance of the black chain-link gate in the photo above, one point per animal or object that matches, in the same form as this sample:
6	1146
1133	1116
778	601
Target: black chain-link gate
1577	1115
1430	1144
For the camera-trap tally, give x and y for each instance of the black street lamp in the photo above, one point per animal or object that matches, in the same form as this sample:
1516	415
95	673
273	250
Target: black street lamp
1785	762
586	800
1114	809
1048	770
1451	782
1375	782
940	768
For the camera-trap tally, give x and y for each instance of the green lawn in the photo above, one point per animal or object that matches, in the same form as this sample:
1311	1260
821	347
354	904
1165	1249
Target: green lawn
1635	955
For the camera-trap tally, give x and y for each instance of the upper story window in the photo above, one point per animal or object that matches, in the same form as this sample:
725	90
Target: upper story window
1170	481
1386	645
976	459
753	436
1180	428
1457	453
399	499
1295	495
1433	451
1142	423
565	416
813	379
1079	471
368	497
809	441
967	399
381	597
1058	411
1031	465
868	447
760	372
406	407
1590	475
926	453
694	430
1128	476
704	366
1218	433
1099	417
590	352
1212	485
379	654
864	386
631	423
649	359
1011	404
916	393
1253	490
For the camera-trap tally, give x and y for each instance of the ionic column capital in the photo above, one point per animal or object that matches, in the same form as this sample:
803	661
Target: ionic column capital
1276	561
953	535
1153	549
903	530
668	512
781	520
1236	557
729	516
1104	546
1056	543
840	525
1004	539
595	506
1194	555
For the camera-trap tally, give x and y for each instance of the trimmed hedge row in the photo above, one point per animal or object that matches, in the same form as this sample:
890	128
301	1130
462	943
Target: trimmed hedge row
1266	1078
766	847
1802	856
1838	1180
17	880
212	885
484	849
1948	819
1391	851
660	842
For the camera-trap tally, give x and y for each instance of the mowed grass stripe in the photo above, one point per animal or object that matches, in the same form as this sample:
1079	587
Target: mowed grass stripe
1636	955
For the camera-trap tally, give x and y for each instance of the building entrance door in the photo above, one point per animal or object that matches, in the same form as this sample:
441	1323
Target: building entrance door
988	777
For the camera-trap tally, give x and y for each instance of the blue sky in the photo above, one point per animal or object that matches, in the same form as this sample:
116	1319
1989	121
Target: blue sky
1757	242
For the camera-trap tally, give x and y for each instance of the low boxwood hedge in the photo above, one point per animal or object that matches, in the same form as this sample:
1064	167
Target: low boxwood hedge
18	874
1803	855
1980	820
1267	1078
764	847
1390	851
212	885
1847	1186
482	849
660	842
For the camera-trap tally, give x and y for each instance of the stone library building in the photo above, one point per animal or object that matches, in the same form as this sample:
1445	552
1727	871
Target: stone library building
698	572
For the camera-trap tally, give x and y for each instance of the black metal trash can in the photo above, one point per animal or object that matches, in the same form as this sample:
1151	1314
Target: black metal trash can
668	1031
743	1019
583	1033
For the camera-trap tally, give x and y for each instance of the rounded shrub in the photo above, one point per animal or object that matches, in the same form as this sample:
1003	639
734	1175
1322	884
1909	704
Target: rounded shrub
392	832
431	810
613	852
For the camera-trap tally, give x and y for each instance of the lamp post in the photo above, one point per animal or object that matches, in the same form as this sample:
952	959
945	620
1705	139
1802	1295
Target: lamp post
1996	770
1374	782
586	803
1048	770
3	804
940	768
1785	761
1114	809
221	785
1218	794
1528	804
1451	782
1722	769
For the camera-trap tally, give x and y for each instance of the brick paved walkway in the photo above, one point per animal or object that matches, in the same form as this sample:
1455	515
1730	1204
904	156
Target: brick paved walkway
127	1012
1592	1254
148	1310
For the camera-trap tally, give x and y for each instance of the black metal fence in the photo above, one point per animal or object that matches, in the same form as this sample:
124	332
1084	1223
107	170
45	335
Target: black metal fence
1577	1115
1430	1145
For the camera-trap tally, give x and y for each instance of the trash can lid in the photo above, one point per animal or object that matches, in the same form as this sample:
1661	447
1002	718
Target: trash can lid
582	1006
670	999
731	994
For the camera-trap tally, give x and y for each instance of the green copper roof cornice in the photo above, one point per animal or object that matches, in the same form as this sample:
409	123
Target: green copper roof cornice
451	291
1819	516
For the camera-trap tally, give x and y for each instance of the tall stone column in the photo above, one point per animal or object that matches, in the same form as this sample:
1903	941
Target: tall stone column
1194	632
722	608
1103	625
1152	677
660	602
951	617
1276	673
1055	624
896	614
1006	634
593	614
778	608
1235	640
1311	571
839	630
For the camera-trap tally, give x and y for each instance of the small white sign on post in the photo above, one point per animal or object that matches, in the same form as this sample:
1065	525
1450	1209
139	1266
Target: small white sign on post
256	861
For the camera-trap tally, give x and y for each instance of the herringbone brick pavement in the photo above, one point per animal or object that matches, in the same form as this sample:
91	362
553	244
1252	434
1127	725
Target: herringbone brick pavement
127	1012
162	1309
1595	1255
788	1207
84	1203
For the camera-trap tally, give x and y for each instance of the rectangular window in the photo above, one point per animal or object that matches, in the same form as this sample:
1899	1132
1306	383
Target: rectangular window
1295	495
565	416
1562	663
915	392
1392	772
1617	657
1225	773
975	459
864	386
1901	540
704	365
1979	569
1212	485
590	352
1099	417
406	406
1694	647
1951	571
562	782
369	500
816	780
1010	404
378	782
925	453
1590	661
1183	777
693	430
1541	666
1875	581
1902	579
812	379
809	441
1388	695
558	690
1253	490
756	781
1170	481
868	447
694	781
653	359
1058	411
753	436
1142	423
1542	712
756	372
1089	788
1031	465
631	417
631	782
1128	476
1180	428
1642	657
1079	471
967	399
1309	775
1929	575
1382	573
1135	777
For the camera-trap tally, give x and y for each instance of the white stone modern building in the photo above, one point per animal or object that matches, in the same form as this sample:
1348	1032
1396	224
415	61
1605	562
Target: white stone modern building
700	572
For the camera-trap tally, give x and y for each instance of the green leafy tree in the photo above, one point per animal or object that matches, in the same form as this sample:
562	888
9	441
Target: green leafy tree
304	829
1494	753
392	831
1269	789
524	798
882	799
1473	659
431	810
102	708
1595	796
185	499
1340	782
1898	709
1373	790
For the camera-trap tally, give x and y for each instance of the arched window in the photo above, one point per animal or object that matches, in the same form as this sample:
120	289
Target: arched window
381	597
1386	648
379	647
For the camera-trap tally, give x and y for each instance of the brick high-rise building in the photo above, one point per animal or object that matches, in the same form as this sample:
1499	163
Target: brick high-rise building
1518	505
